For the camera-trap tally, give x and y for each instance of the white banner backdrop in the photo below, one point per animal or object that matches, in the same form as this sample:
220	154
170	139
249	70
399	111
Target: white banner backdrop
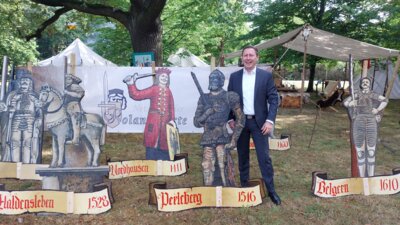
99	82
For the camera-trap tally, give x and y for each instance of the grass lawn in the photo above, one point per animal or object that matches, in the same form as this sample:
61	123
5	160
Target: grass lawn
329	151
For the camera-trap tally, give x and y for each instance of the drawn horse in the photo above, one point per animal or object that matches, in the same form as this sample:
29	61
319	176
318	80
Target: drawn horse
58	123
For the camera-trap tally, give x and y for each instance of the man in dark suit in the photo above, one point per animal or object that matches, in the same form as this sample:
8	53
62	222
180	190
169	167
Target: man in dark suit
259	99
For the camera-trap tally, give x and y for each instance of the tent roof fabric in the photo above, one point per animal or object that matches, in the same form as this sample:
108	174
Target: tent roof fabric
326	45
83	55
185	58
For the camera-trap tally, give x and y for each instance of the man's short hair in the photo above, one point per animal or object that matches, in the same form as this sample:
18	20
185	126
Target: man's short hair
251	47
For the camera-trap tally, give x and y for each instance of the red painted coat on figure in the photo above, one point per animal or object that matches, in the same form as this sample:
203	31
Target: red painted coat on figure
161	112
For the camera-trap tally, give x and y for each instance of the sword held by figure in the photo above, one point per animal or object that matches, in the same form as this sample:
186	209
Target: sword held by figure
131	79
202	96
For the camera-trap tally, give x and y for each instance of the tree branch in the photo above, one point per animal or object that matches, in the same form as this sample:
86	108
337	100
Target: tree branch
95	9
45	24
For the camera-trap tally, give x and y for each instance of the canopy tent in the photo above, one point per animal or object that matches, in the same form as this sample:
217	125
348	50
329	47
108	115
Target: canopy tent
83	56
184	58
326	45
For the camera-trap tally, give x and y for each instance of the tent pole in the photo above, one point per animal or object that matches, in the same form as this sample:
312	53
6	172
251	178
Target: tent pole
387	77
212	66
394	74
364	68
373	75
65	70
353	151
303	76
279	60
153	70
4	75
73	64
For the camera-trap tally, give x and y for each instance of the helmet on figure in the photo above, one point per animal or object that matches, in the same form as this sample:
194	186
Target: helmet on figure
216	80
69	78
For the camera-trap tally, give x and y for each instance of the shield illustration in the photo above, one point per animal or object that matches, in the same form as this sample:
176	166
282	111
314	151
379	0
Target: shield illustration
173	141
112	113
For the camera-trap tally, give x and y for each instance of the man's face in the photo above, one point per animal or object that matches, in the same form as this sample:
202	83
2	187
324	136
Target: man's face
215	82
24	84
68	81
163	79
249	58
365	84
115	98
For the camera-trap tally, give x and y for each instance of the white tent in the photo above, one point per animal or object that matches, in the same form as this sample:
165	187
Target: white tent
326	45
83	56
184	58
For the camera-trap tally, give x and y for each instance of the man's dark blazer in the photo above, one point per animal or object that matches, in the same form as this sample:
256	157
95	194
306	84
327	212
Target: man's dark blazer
265	94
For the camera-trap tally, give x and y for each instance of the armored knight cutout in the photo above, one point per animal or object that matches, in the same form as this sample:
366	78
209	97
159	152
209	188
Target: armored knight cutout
22	121
212	114
364	109
161	112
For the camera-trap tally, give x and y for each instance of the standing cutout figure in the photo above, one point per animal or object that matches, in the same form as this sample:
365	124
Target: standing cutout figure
212	113
161	112
25	119
364	111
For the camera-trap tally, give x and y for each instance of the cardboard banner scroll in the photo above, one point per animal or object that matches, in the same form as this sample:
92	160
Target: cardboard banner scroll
19	202
171	200
279	144
377	185
149	167
20	170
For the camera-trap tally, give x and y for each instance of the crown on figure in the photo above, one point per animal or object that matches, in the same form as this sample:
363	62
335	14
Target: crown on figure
163	70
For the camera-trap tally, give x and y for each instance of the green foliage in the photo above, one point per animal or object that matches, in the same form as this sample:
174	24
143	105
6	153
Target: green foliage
14	24
57	36
206	28
113	43
369	21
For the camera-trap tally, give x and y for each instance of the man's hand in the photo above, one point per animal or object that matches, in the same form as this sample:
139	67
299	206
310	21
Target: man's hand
266	128
231	124
375	111
38	103
3	107
209	111
352	103
230	145
130	79
172	122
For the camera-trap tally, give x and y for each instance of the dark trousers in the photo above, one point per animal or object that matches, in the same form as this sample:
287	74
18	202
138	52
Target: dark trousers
262	148
156	154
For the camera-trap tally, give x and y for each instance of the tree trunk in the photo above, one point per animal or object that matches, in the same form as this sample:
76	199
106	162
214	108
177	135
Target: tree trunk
310	87
147	39
142	21
221	48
